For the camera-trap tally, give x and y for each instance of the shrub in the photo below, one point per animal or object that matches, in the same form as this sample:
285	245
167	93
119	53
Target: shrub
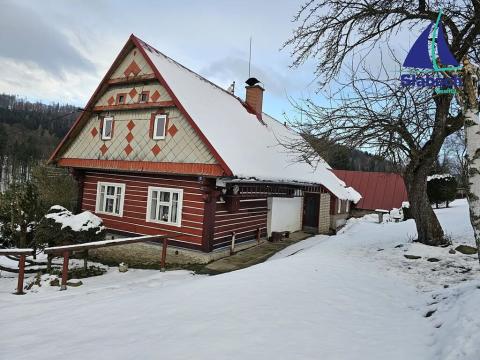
441	189
20	211
60	227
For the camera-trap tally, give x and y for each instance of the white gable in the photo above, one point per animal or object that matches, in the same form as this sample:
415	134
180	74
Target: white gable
249	148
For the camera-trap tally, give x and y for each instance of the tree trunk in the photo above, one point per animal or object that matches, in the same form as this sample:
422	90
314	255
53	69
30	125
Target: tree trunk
472	140
428	227
22	237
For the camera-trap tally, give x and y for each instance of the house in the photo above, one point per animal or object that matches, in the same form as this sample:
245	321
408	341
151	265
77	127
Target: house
380	190
160	149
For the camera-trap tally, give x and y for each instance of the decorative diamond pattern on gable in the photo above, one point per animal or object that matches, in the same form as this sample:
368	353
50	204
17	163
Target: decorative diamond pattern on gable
133	68
130	125
128	149
172	130
155	96
156	150
132	93
111	100
185	147
103	149
94	132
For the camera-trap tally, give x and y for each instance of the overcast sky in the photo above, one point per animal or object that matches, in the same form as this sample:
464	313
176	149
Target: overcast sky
54	50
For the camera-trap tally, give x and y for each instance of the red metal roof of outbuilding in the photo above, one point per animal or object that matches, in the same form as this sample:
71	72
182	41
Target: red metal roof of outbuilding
379	190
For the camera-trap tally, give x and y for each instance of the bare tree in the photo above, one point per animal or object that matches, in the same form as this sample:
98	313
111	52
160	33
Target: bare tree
398	123
333	31
454	155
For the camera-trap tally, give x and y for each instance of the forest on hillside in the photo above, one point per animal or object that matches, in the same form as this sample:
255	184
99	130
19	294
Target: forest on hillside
29	131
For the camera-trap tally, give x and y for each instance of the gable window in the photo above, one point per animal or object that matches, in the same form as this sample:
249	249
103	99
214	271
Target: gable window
110	197
143	97
159	127
121	98
164	205
107	128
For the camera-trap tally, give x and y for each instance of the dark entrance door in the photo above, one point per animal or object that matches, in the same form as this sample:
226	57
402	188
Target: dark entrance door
311	208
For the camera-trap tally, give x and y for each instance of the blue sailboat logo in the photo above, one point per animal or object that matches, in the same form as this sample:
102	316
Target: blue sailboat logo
420	57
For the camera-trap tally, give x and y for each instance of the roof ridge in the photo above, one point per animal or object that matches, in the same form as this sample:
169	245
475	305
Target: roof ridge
190	70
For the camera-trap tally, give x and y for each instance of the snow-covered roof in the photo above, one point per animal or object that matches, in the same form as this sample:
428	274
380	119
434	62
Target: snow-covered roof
249	147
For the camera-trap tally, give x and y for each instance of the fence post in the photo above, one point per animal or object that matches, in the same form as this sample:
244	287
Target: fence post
65	270
21	275
85	262
164	254
232	246
49	263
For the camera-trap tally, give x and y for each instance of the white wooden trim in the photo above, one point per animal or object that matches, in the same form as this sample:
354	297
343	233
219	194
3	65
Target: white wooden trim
109	118
151	189
122	198
155	126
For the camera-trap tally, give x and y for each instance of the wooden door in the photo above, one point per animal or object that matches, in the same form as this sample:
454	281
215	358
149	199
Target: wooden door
311	208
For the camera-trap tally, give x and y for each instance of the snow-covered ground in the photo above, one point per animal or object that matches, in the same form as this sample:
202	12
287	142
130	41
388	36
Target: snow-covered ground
350	296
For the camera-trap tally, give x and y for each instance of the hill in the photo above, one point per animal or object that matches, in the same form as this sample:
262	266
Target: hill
29	131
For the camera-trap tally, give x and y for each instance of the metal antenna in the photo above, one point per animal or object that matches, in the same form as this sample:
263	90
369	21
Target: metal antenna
250	57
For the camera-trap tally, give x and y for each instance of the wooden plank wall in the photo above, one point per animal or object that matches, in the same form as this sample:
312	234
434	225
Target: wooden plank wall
251	215
135	204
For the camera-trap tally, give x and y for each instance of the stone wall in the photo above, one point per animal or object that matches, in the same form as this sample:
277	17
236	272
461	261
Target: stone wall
148	255
324	214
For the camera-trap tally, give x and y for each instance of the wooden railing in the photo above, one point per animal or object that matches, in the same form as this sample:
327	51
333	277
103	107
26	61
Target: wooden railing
21	264
66	250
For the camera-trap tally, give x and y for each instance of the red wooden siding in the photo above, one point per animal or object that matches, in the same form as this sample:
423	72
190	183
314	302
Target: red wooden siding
135	204
251	215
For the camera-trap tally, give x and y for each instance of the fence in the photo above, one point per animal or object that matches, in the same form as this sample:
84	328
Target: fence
66	250
21	264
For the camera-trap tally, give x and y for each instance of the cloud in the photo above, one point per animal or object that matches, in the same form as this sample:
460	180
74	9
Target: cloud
234	68
26	37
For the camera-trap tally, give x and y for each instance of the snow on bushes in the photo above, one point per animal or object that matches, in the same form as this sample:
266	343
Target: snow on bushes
60	227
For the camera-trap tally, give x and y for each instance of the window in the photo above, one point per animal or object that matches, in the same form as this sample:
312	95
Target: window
347	206
121	98
110	198
107	128
164	205
159	126
143	97
339	205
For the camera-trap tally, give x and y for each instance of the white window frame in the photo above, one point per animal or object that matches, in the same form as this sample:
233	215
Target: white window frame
155	126
104	120
339	206
151	189
99	207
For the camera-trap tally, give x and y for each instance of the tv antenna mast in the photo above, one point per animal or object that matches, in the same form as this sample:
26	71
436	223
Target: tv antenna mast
250	57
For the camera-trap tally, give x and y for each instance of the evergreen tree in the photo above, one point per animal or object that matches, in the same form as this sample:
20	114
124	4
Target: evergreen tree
20	211
441	189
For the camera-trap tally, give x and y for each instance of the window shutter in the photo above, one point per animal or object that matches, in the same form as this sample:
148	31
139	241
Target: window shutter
101	126
113	128
152	124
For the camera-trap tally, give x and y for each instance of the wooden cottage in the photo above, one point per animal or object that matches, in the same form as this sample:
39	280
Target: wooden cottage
160	149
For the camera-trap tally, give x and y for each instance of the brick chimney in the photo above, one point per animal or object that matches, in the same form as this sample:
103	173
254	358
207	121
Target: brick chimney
254	95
